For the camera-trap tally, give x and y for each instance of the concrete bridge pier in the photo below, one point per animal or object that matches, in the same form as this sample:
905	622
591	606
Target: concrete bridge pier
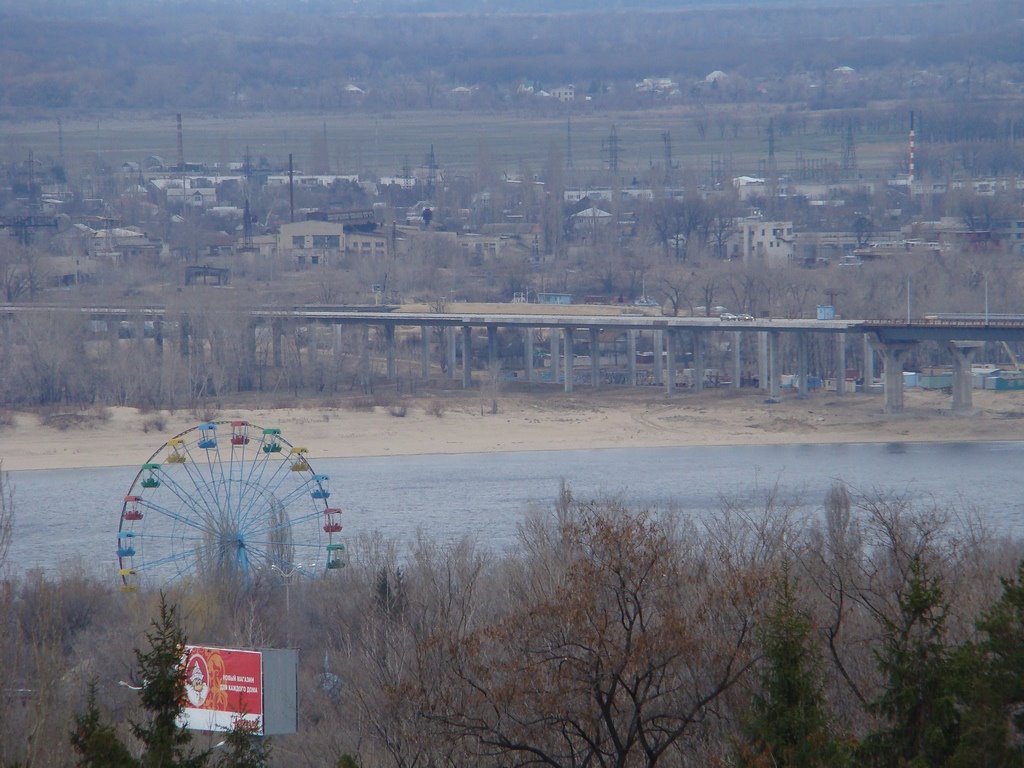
670	362
467	357
802	366
554	353
659	349
774	344
698	362
737	363
114	333
492	350
184	338
247	374
338	345
364	357
763	369
868	374
424	352
631	353
595	358
528	353
893	355
158	335
963	353
389	343
840	363
139	333
449	336
277	341
569	358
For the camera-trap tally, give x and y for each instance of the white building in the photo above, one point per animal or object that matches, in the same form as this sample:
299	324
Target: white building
564	93
750	186
772	243
313	242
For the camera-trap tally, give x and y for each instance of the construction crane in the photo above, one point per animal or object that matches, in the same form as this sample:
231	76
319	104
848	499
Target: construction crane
1013	357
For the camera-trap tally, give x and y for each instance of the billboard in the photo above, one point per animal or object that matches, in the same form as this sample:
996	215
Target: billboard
226	686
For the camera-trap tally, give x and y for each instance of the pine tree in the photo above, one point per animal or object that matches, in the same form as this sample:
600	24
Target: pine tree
919	703
244	749
993	671
1003	625
788	725
161	668
97	743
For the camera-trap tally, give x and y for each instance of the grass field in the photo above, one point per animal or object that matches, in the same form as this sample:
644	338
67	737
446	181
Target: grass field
382	144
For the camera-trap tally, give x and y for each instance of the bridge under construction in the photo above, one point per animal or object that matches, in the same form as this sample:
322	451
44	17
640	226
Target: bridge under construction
672	350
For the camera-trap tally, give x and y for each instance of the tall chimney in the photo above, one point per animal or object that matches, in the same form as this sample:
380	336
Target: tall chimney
291	188
181	147
910	165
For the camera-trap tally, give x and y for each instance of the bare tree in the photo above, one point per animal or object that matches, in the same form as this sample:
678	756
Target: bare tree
616	661
678	284
6	514
676	223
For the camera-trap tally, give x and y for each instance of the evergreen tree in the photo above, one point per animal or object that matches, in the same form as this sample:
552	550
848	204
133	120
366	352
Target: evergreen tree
244	749
993	671
97	743
919	703
1003	625
788	725
161	668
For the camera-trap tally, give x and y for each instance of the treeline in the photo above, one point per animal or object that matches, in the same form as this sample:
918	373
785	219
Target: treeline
228	56
880	631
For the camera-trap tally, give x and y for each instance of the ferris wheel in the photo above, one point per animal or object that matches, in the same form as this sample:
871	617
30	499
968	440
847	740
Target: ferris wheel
227	498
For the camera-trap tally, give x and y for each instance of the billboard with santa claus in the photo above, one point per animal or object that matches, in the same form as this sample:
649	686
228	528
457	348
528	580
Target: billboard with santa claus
228	689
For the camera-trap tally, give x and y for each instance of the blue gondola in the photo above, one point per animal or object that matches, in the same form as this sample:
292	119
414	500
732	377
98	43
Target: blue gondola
208	436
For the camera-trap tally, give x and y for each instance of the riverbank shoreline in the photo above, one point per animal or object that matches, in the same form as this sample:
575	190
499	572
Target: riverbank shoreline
457	422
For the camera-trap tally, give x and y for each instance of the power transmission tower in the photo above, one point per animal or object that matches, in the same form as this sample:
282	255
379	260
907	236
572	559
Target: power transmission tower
23	226
568	143
247	169
849	162
431	164
247	227
610	147
60	142
773	171
181	146
33	190
666	139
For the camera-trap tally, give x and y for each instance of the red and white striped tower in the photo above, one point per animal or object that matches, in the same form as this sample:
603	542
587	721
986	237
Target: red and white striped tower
910	174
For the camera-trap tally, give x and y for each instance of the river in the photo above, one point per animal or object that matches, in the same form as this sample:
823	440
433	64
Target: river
70	517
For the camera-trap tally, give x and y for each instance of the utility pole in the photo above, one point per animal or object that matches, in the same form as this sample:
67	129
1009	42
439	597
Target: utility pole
832	293
666	139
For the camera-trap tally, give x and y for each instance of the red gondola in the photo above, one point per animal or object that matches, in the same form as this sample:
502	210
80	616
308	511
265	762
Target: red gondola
131	509
239	433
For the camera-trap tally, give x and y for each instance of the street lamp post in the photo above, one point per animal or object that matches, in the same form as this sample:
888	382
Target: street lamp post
286	576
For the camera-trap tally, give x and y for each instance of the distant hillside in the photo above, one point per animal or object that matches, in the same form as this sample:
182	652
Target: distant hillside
272	54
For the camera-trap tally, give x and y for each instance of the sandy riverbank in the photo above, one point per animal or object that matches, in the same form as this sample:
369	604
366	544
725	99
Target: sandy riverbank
523	421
